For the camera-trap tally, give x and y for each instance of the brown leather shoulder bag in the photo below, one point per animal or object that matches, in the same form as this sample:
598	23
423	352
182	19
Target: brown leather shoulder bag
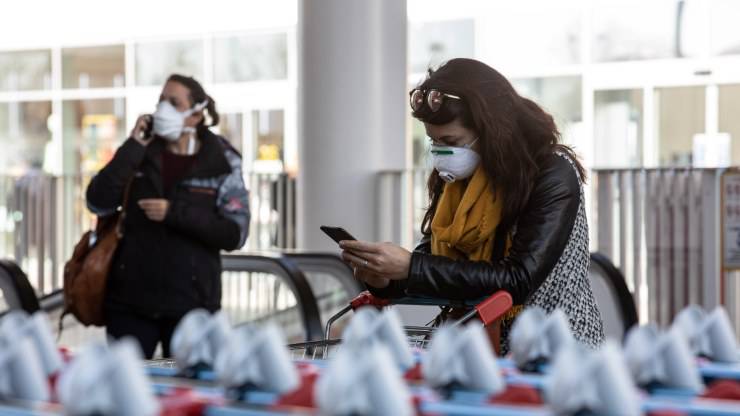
86	273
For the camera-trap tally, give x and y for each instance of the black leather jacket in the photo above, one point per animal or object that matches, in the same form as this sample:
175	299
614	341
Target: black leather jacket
542	232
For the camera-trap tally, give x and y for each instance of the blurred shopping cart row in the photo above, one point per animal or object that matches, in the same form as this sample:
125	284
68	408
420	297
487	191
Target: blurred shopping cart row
690	367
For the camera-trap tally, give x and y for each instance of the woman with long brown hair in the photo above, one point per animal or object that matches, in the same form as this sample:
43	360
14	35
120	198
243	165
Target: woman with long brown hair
507	208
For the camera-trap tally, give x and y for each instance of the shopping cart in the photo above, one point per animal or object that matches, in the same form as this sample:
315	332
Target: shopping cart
487	310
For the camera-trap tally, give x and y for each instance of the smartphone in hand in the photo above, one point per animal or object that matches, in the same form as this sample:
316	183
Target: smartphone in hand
149	127
337	233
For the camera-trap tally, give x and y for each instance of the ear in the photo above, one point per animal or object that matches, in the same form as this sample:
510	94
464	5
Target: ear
194	119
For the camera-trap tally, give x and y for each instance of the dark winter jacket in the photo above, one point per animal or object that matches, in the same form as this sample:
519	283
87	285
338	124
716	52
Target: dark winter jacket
168	268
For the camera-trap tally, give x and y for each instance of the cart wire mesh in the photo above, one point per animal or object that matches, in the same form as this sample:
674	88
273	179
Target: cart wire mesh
418	338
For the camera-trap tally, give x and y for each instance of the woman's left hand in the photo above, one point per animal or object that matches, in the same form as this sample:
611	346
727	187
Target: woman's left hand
155	208
384	259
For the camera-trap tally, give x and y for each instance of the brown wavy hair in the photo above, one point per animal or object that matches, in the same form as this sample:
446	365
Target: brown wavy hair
198	95
516	136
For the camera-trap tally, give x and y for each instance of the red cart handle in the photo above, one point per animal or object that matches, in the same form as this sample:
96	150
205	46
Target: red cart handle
491	309
366	298
494	307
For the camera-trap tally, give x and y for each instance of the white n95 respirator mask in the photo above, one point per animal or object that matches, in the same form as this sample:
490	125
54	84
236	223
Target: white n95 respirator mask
170	123
455	163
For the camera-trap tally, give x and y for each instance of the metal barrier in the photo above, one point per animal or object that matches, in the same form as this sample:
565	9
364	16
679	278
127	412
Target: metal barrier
402	202
42	217
237	267
332	281
15	290
662	229
273	206
297	291
331	264
613	297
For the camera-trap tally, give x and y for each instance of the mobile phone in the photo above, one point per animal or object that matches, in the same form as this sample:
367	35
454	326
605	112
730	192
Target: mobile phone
149	127
337	233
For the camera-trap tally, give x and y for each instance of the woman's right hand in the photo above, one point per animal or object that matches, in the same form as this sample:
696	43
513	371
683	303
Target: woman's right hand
141	129
370	278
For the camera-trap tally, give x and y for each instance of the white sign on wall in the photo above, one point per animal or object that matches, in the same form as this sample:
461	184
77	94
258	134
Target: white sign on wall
711	150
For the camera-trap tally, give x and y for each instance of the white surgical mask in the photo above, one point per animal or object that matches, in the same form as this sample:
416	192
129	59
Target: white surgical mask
455	163
170	123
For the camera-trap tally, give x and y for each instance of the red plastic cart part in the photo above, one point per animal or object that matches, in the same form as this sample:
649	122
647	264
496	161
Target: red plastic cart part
303	396
414	373
517	395
66	354
494	307
366	298
53	382
723	390
183	401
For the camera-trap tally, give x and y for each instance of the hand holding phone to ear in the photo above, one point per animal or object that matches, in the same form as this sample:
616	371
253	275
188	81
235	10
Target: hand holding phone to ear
142	131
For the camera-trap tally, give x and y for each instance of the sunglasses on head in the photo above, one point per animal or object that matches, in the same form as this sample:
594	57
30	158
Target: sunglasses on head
433	99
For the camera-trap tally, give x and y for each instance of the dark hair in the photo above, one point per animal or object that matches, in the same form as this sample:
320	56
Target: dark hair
198	95
516	137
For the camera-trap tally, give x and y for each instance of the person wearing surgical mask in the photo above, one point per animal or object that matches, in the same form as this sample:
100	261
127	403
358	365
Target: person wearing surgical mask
186	203
506	208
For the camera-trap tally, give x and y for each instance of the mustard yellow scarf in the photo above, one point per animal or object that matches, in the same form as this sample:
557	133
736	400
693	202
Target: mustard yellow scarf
464	224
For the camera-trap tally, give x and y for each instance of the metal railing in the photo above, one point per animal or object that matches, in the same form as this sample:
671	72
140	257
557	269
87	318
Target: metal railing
616	304
402	202
331	280
15	290
661	227
256	289
296	291
42	217
248	296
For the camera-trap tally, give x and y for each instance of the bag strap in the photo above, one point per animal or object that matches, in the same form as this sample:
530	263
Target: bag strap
122	215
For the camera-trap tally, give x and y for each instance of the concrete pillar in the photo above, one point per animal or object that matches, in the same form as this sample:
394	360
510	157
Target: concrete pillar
352	99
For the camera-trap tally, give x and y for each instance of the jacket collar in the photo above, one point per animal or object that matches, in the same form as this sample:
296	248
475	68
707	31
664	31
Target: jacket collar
210	160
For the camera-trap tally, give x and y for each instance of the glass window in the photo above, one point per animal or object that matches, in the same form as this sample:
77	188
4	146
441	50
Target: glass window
250	58
432	43
94	67
547	34
729	102
618	129
24	135
157	60
93	129
626	30
268	131
25	70
561	98
680	113
724	34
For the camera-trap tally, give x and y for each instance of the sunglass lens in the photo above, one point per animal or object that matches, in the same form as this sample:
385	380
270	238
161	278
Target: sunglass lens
417	99
434	100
